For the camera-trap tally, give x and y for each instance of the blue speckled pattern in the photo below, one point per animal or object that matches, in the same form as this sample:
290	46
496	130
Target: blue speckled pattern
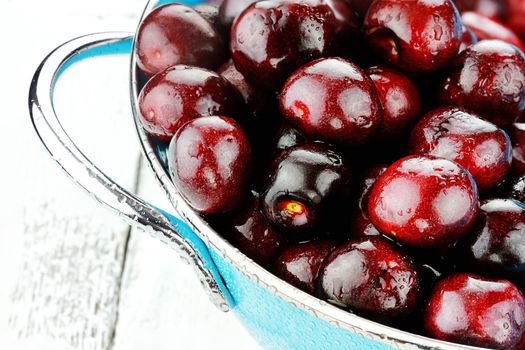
276	324
273	322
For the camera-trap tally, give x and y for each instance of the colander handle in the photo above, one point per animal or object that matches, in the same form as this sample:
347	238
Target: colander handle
81	170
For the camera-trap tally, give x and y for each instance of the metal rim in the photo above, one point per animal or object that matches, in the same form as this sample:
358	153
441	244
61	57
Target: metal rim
321	309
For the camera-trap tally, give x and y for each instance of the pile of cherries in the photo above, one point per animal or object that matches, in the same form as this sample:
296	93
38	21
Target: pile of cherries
368	152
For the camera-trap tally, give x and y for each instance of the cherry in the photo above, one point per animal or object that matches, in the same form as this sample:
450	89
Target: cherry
517	135
287	137
513	187
210	163
182	93
360	6
303	185
176	34
493	9
485	29
211	14
415	35
231	9
371	277
497	243
473	310
478	145
400	101
468	38
250	231
272	38
360	221
333	100
299	265
488	78
262	106
515	15
424	201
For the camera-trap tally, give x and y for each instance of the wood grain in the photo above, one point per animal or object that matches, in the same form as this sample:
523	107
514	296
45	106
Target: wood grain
71	251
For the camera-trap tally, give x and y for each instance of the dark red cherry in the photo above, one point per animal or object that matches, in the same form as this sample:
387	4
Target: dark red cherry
424	201
211	14
333	100
473	310
515	15
400	101
252	233
517	135
488	78
271	39
360	221
468	38
287	137
463	137
182	93
360	6
231	9
414	35
299	265
493	9
177	34
496	246
513	188
303	185
210	163
486	29
371	277
261	106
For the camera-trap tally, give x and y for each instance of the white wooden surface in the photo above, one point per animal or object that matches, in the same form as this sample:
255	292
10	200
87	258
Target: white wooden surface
72	276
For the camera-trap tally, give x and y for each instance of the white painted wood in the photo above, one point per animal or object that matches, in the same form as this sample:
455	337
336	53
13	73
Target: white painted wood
61	254
70	253
162	304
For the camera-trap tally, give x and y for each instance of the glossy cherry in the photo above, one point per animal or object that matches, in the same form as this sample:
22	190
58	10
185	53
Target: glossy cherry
176	34
468	38
488	78
299	265
414	35
485	29
513	187
424	201
182	93
210	162
360	6
473	310
400	101
497	244
371	277
287	137
517	135
211	14
476	144
272	38
493	9
515	15
231	9
250	231
262	106
303	185
360	221
333	100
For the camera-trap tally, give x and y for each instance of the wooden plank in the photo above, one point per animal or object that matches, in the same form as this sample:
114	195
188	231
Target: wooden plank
163	305
61	254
